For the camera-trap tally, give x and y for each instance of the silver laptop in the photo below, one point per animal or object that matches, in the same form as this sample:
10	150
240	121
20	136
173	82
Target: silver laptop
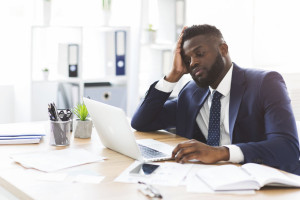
115	133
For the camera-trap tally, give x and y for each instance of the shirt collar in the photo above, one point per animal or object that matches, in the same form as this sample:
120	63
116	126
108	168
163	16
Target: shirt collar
225	84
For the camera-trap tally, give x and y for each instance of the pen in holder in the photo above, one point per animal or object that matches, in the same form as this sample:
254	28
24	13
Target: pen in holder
60	132
66	115
60	125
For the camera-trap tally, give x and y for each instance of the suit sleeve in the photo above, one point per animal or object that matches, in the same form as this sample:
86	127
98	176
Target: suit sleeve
280	148
155	112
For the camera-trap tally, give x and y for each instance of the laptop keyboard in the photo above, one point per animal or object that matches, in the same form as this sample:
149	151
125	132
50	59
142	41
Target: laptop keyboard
151	153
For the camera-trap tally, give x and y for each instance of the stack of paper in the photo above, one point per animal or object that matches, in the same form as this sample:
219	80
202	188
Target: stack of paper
21	133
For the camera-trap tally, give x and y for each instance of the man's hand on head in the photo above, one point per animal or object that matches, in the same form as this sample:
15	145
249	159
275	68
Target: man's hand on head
178	69
194	149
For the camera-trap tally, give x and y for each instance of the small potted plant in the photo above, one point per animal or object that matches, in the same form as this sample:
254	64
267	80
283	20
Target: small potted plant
47	12
150	34
106	8
83	125
45	73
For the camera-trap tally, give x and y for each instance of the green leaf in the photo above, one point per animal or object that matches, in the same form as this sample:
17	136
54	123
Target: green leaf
81	111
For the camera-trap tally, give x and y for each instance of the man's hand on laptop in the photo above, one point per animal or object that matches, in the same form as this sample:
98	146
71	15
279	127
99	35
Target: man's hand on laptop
194	149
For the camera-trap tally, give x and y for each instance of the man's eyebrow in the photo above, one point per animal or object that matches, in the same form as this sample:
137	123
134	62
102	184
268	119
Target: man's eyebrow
198	48
195	49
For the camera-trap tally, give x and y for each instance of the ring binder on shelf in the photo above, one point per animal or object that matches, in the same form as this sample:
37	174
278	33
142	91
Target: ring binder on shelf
120	50
68	60
73	52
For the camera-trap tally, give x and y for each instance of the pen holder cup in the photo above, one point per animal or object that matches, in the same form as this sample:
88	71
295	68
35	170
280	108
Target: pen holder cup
60	132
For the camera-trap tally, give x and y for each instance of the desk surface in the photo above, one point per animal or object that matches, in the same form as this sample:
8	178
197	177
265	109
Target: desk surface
23	183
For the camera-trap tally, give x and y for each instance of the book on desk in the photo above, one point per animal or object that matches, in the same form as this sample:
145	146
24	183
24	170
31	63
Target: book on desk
249	176
21	133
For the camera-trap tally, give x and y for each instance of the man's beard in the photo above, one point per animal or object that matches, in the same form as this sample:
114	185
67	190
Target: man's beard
213	74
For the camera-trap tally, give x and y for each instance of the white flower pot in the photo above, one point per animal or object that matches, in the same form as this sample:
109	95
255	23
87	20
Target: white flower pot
149	37
106	17
46	75
82	129
47	12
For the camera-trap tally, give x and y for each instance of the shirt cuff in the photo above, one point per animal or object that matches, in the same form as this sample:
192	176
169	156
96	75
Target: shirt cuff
164	86
235	154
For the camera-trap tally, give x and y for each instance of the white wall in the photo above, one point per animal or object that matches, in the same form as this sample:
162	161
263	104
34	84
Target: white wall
235	20
15	21
260	34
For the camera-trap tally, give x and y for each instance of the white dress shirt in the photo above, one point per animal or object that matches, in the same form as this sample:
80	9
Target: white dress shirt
235	153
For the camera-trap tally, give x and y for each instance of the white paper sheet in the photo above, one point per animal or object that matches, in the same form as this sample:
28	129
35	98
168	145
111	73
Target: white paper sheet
50	161
169	174
193	171
56	177
88	179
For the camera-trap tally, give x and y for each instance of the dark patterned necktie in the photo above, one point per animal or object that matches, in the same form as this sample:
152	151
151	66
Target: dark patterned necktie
213	138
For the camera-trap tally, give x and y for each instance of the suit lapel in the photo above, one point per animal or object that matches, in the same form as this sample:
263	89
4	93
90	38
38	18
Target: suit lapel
236	93
198	98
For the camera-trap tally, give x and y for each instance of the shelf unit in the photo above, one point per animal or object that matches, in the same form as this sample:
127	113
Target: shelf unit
97	63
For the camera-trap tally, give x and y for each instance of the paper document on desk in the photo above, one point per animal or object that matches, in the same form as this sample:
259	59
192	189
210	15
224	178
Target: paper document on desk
22	129
49	161
21	133
169	174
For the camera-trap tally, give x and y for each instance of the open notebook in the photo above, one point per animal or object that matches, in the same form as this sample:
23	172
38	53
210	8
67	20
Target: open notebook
249	176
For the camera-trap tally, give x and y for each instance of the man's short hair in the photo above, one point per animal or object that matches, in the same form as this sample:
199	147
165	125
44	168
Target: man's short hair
204	29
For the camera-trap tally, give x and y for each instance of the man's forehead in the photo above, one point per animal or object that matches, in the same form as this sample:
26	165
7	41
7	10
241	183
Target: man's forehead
200	41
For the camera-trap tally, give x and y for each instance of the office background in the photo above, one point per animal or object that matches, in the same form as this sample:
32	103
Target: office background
260	34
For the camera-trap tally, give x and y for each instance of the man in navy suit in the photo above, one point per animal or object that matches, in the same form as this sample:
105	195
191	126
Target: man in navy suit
256	121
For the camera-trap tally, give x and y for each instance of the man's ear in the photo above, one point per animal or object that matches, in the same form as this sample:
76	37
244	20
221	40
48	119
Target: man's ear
223	47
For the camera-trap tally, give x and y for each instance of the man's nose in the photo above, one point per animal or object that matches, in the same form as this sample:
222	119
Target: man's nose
194	62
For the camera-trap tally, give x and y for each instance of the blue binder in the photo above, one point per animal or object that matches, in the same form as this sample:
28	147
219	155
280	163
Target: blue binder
120	52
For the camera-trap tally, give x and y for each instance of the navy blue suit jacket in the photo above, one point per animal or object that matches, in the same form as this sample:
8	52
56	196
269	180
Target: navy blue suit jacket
261	120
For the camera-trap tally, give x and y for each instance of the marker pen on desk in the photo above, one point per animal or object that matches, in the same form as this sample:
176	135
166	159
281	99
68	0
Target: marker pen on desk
150	191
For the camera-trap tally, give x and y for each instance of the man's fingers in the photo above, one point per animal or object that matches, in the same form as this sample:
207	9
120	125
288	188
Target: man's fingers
181	146
179	42
182	31
185	151
180	38
188	157
193	149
